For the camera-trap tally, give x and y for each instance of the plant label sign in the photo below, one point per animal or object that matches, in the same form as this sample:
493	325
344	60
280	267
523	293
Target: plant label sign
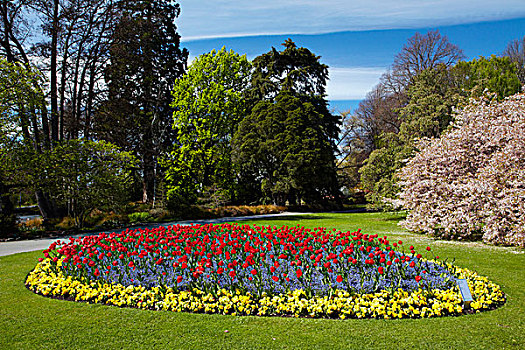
465	291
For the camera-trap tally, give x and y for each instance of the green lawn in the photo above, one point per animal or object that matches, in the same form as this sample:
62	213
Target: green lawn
29	321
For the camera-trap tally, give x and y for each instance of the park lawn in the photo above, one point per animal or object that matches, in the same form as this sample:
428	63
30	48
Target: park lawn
29	321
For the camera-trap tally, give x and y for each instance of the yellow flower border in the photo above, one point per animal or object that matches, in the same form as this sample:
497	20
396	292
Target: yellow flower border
384	305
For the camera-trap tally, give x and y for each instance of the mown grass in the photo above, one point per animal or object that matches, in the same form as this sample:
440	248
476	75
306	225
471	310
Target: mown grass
29	321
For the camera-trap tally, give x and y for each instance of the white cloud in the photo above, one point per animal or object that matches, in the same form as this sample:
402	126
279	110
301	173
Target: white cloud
352	83
232	18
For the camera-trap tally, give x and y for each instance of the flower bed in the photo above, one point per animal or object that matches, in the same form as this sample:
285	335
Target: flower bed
243	270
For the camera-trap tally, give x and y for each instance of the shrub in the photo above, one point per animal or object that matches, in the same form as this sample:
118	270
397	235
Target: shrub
7	224
139	217
471	180
84	175
35	224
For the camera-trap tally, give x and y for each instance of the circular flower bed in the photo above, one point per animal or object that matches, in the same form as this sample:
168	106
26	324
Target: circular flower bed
266	271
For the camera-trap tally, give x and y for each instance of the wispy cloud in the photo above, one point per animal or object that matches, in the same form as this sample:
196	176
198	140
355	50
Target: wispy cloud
235	18
352	83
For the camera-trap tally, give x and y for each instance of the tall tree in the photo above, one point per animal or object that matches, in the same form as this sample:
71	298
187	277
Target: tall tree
423	52
66	40
75	45
379	119
286	146
431	98
209	103
146	59
294	69
379	112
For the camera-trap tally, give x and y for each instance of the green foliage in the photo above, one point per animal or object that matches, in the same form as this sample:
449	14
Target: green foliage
431	99
498	75
143	216
209	104
284	144
146	60
378	175
294	69
18	96
84	175
284	149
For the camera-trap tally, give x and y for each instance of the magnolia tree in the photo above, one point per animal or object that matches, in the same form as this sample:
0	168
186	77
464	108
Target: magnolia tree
470	182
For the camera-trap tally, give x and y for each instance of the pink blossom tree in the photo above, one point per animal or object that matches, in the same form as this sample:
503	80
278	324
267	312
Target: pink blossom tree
470	182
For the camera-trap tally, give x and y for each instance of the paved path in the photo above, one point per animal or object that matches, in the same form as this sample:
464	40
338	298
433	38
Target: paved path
14	247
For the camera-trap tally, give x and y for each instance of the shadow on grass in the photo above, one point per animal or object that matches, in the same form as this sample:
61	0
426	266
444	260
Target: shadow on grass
282	218
252	219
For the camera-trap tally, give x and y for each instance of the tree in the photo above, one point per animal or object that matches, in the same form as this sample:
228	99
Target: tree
430	100
299	72
285	147
84	175
282	145
18	96
376	115
146	59
71	44
379	116
470	181
498	75
67	41
423	52
515	50
209	103
296	70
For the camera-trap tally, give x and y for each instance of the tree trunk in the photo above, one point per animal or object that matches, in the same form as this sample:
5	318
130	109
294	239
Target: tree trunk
7	213
53	73
148	167
47	206
6	206
148	178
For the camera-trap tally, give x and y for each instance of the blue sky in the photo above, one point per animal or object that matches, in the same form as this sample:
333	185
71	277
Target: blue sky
357	39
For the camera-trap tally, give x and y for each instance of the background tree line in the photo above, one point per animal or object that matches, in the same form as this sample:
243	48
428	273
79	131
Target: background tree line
416	99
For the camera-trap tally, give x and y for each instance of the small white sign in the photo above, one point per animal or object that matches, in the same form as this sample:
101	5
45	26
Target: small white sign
465	291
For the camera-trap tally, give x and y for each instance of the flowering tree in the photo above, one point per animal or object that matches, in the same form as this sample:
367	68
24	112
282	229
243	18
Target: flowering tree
471	182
